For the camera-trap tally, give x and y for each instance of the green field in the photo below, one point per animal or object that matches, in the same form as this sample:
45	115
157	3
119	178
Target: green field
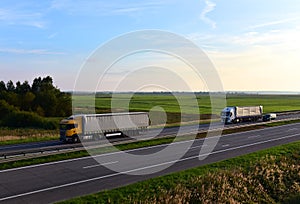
185	108
144	102
271	103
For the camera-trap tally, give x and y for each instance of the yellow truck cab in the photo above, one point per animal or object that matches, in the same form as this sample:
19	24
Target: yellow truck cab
70	129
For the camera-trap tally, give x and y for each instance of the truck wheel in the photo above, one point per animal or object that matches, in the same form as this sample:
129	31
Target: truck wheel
75	139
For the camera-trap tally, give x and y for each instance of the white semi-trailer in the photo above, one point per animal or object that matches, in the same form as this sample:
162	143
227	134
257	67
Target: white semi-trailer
96	126
236	114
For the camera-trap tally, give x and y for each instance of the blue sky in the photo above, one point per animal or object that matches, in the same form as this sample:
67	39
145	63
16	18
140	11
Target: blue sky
253	44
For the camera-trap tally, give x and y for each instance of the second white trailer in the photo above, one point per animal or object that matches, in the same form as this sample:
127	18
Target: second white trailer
236	114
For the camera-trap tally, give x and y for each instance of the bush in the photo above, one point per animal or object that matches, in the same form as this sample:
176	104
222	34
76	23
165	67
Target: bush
271	180
5	109
21	119
12	117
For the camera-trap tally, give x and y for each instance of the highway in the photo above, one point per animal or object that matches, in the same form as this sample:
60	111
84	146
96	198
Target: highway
151	132
56	181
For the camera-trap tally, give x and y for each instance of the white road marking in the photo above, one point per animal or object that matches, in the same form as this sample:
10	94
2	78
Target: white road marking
203	145
254	136
143	168
96	165
225	145
142	148
292	129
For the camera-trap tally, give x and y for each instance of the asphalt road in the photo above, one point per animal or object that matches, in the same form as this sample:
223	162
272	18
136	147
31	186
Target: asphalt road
62	180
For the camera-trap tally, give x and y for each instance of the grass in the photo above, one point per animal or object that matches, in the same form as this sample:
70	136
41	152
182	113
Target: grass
279	123
185	108
268	176
271	103
144	102
26	135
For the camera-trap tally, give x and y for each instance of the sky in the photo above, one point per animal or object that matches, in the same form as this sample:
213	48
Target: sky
253	45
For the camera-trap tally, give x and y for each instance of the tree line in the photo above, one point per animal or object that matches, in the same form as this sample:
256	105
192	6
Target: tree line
26	103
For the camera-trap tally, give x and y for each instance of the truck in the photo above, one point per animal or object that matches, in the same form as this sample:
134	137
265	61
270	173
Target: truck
98	126
236	114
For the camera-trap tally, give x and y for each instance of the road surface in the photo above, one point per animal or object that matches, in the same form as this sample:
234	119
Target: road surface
62	180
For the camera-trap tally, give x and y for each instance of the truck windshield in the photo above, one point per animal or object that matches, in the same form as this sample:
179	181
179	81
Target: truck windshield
225	113
67	126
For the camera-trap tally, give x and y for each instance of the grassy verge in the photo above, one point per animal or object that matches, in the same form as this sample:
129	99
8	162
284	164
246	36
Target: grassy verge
281	123
268	176
26	135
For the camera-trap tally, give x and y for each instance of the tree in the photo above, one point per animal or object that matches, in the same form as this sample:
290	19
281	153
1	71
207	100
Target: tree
2	86
41	97
18	87
27	100
10	86
48	101
47	84
36	85
22	88
12	98
40	111
3	90
5	109
64	105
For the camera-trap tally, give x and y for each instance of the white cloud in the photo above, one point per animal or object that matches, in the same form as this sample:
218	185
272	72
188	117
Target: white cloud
96	7
284	39
271	23
32	51
210	6
53	35
18	17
